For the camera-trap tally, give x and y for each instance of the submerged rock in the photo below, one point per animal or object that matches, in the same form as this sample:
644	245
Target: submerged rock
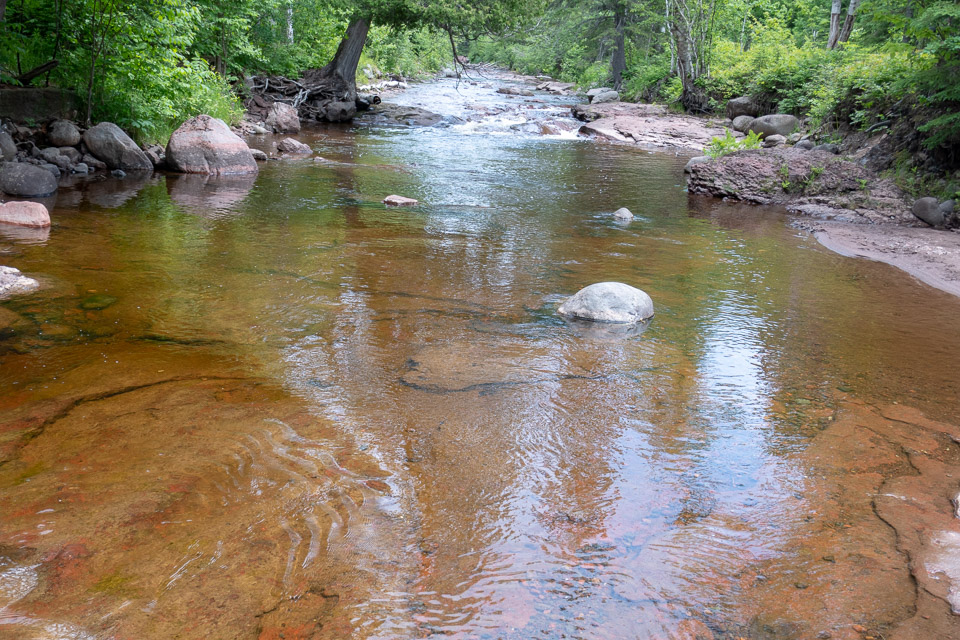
25	214
608	302
623	214
13	282
108	142
26	180
259	156
207	145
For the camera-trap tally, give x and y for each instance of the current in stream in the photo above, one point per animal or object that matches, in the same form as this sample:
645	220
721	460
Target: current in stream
272	407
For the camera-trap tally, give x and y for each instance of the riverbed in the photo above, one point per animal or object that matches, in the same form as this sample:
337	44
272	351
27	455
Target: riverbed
273	407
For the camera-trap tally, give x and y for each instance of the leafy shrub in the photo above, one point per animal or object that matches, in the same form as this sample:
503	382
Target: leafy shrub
720	147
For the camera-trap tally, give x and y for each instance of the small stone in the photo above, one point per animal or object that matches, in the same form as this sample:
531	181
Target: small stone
623	214
859	628
804	145
398	201
289	145
824	635
81	168
828	147
25	214
801	585
774	141
259	156
257	129
118	173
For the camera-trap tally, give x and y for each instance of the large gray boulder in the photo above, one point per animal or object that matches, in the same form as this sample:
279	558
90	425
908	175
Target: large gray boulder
8	148
928	210
206	145
742	106
777	124
108	143
283	118
63	133
742	123
608	302
597	91
604	97
26	180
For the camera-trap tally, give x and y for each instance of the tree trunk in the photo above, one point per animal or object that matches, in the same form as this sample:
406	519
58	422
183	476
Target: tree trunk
3	9
290	23
618	64
333	89
847	28
694	99
834	24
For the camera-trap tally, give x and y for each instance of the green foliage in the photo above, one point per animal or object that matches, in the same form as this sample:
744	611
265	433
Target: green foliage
720	147
409	52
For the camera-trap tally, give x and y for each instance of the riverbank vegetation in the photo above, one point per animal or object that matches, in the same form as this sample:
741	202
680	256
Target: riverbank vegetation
853	67
148	65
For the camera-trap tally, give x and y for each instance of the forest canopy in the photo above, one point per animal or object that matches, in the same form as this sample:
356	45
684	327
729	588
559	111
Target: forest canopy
861	64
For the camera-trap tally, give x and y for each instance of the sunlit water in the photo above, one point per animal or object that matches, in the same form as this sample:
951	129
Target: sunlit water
261	406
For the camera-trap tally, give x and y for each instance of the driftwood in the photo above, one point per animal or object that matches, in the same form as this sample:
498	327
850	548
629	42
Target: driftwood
25	78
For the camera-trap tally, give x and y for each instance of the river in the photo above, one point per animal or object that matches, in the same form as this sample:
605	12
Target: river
273	407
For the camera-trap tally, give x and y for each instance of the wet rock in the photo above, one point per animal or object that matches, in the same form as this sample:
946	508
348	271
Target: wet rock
813	183
259	156
24	214
781	124
9	321
742	123
774	141
206	145
53	156
411	116
157	155
63	133
794	138
513	91
398	201
928	210
623	214
118	173
97	302
108	142
605	97
742	106
592	112
804	145
613	302
283	118
53	169
26	180
829	148
93	163
12	282
71	153
8	148
694	161
81	168
289	145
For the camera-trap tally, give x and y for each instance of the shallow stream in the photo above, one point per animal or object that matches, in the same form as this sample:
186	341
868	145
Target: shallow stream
274	407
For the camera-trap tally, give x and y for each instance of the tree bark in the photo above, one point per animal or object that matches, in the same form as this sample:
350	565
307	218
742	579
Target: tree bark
3	9
333	89
618	63
289	23
834	24
847	28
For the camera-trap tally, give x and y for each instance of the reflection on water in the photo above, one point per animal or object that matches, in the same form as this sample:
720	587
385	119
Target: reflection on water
274	407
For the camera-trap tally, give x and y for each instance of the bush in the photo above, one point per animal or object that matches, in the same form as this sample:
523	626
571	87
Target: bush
720	147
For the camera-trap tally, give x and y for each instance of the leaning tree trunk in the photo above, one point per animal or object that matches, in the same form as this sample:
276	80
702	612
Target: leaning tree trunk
333	89
834	36
618	64
847	27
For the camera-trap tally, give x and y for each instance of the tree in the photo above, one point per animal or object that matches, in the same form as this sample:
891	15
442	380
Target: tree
838	33
692	22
